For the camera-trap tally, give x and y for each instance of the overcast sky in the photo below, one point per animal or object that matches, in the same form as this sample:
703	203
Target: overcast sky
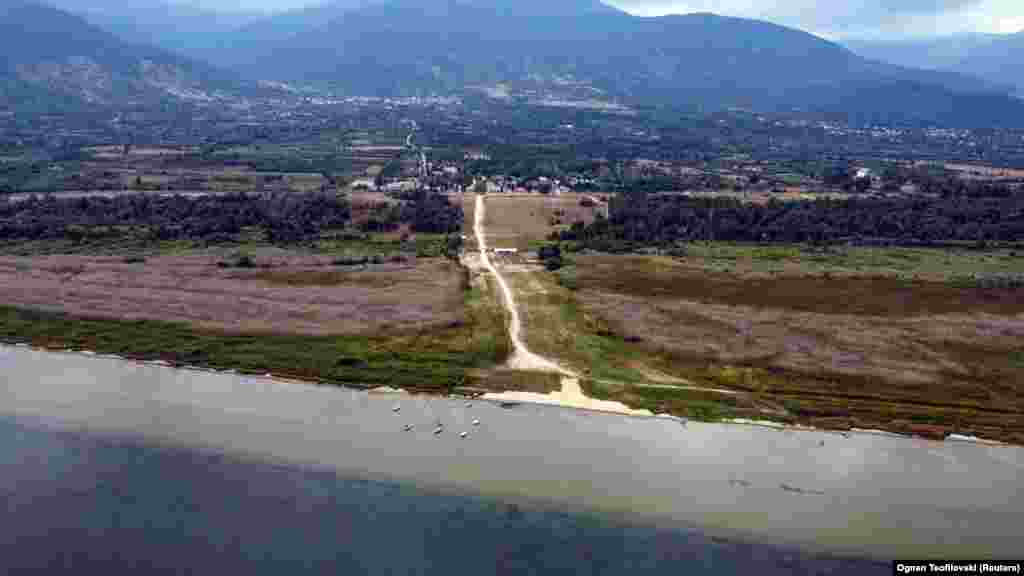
832	18
857	17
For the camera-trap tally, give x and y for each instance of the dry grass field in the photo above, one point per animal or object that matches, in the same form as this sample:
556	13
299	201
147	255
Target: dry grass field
423	327
520	220
921	356
798	286
294	294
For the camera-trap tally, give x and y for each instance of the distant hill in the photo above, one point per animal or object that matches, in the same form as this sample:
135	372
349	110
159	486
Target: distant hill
936	53
993	57
262	35
237	47
410	47
543	49
1000	60
52	59
173	26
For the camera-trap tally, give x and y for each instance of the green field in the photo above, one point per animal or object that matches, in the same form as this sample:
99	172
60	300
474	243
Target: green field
138	243
948	264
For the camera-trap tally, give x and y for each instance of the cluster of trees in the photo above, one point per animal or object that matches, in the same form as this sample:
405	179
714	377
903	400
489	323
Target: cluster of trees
551	255
640	220
427	212
284	218
430	213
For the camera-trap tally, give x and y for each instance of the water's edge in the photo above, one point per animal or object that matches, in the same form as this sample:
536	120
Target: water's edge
829	493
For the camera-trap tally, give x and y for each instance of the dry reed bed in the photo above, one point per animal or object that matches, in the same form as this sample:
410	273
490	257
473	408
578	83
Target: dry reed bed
293	294
922	357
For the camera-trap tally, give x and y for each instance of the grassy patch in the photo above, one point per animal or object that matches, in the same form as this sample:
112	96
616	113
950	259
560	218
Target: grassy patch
695	404
556	327
516	380
139	240
384	245
934	264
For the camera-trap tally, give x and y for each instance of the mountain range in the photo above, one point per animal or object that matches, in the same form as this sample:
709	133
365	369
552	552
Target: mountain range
1001	58
53	59
994	57
175	26
426	47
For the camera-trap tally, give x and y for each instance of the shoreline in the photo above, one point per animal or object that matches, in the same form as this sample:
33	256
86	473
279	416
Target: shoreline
501	399
797	486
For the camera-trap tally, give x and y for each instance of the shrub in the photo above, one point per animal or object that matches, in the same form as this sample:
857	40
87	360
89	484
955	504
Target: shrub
245	261
567	278
351	261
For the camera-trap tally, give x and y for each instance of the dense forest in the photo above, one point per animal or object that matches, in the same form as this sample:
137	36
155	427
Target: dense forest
638	220
283	218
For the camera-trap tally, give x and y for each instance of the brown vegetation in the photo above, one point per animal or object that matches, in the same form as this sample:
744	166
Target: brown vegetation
514	221
292	294
864	295
918	357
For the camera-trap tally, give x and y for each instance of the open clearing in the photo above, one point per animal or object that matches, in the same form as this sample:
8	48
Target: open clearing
295	294
521	220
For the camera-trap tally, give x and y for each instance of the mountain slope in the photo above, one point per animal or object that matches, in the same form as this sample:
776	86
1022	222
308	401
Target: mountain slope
939	53
177	27
993	57
403	47
51	57
236	47
999	60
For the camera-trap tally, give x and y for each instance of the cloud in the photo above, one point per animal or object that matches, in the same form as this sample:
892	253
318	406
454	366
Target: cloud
854	17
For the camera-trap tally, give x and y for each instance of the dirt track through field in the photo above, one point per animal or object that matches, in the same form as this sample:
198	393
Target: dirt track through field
522	358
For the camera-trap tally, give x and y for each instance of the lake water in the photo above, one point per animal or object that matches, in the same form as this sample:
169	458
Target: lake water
114	465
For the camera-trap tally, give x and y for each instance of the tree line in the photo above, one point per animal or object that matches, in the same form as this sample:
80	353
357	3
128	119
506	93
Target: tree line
638	220
284	218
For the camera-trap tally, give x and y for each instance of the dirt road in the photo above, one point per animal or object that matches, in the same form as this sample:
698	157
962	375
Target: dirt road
522	358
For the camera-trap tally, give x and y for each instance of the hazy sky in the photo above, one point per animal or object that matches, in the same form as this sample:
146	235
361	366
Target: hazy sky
834	18
858	17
